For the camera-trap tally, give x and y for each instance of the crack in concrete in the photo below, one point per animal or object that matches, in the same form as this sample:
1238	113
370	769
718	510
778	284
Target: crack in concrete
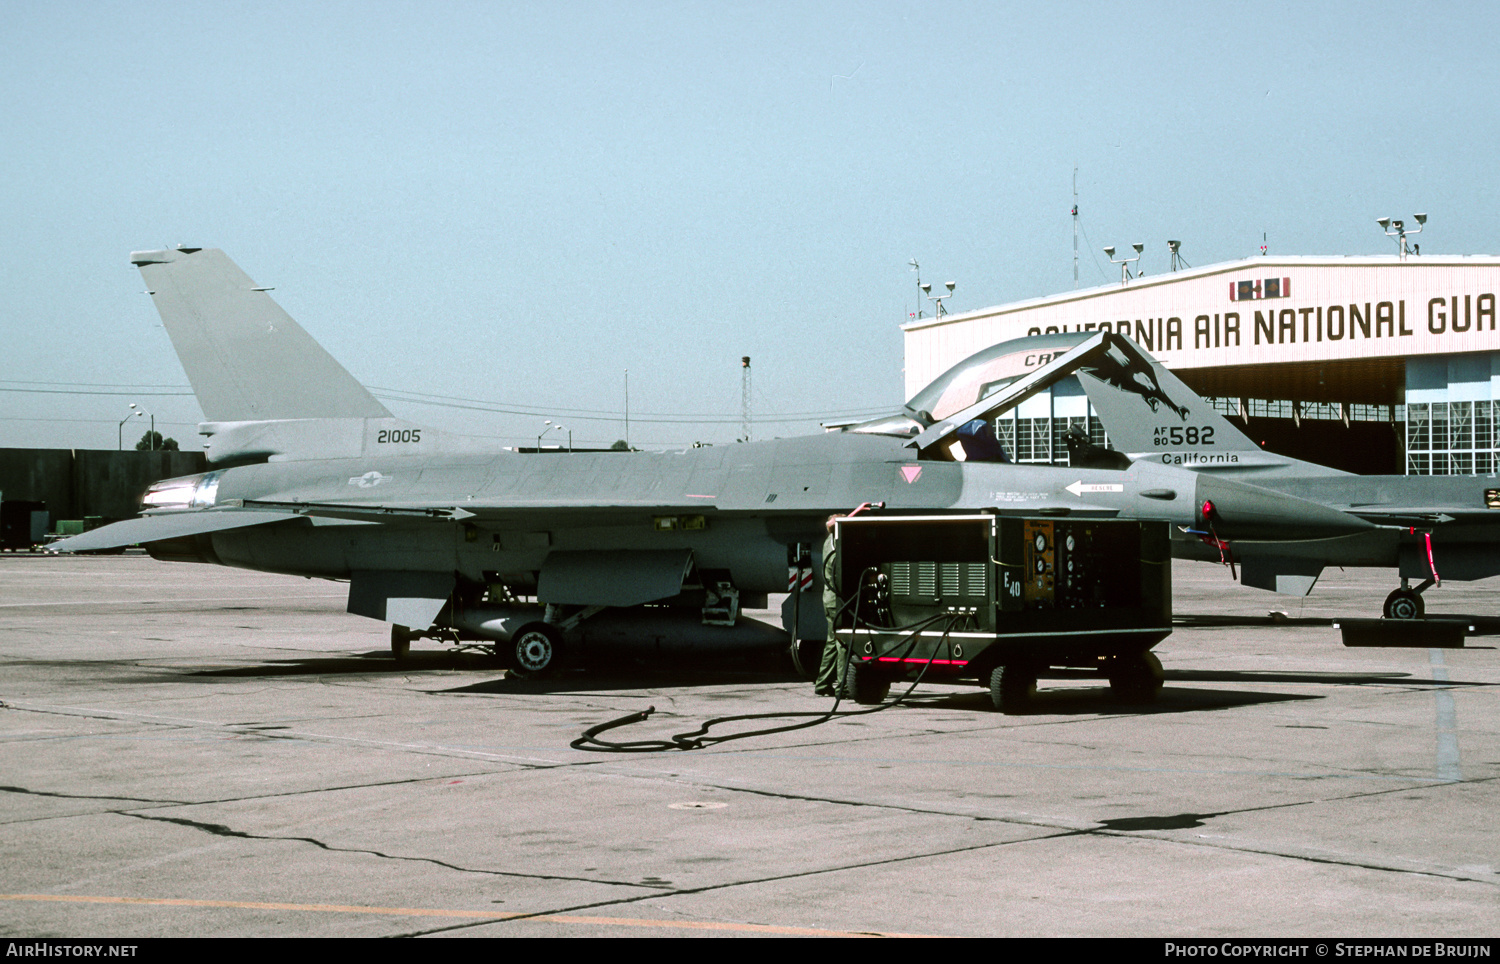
87	796
1104	830
221	830
710	888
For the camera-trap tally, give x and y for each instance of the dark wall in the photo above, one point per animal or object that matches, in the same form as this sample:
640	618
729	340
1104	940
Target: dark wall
1365	448
79	482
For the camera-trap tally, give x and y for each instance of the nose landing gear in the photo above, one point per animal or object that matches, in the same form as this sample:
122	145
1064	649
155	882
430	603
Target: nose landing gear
1406	602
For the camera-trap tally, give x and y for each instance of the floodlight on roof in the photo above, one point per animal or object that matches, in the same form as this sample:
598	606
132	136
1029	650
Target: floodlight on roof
1124	263
1396	229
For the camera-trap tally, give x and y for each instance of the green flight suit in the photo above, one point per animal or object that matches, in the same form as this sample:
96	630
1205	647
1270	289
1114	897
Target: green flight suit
833	656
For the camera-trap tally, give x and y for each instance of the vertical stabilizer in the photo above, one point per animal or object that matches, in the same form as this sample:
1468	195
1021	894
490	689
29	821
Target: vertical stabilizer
1150	414
1147	409
248	361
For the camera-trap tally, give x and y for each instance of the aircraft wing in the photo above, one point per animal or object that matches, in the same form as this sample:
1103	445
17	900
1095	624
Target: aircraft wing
172	525
449	512
1421	515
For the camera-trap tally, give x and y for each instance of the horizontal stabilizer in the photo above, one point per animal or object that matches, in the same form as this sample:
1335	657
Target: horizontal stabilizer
154	528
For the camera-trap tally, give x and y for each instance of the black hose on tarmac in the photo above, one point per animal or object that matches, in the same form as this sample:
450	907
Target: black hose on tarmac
700	738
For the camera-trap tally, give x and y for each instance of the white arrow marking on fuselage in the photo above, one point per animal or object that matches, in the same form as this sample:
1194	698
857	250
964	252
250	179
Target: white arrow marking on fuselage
1080	487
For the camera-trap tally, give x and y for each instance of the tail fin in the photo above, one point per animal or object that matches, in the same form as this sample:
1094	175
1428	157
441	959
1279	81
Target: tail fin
1147	409
1149	413
248	361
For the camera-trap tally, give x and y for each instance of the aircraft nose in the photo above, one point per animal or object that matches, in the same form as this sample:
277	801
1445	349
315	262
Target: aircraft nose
1238	510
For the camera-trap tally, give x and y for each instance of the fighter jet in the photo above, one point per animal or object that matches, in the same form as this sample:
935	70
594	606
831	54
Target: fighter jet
1428	528
457	538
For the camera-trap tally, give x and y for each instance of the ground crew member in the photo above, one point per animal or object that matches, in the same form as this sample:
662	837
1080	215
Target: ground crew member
832	661
832	664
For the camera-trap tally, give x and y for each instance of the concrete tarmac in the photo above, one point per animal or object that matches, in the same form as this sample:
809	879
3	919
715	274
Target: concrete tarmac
194	751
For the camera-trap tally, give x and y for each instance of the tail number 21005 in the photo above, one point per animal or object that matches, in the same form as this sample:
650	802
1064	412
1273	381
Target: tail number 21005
398	435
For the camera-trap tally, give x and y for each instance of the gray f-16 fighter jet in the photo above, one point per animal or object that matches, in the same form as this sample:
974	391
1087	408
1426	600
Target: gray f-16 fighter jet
454	537
1425	527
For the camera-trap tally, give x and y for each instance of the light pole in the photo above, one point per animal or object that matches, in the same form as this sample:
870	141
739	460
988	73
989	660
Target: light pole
1124	263
550	427
120	429
1397	230
152	437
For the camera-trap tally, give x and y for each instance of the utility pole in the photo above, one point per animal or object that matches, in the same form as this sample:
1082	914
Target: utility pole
745	399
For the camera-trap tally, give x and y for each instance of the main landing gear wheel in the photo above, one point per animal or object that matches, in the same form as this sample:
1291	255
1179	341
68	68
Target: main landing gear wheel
1012	688
1136	678
536	651
400	642
866	685
1404	604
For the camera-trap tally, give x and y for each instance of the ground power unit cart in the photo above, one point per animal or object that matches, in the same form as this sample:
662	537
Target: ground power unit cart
1002	600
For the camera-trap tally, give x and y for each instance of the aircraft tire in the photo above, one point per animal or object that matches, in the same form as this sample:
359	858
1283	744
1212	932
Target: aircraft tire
1136	678
400	642
1404	604
1012	688
866	685
536	651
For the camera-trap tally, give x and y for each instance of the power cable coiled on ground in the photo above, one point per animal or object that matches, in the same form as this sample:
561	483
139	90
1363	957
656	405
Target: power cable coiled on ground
700	738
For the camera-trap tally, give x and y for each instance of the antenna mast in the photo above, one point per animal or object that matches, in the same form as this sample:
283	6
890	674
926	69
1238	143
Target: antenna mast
1075	226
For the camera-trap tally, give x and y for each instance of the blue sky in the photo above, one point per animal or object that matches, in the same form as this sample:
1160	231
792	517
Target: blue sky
516	203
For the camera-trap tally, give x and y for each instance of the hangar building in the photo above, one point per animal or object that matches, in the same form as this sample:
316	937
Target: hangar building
1376	365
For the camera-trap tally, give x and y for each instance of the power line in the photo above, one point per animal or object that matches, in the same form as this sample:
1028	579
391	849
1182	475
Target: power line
594	414
459	402
76	391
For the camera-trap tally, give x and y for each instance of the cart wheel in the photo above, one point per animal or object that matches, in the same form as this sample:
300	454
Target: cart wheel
866	685
1012	688
1136	678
